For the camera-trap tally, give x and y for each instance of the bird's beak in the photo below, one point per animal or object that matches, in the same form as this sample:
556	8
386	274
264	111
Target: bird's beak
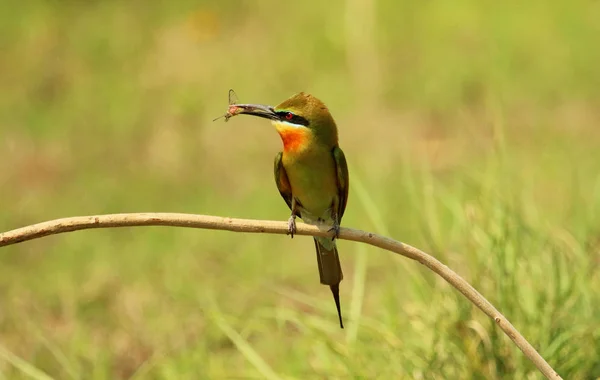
259	110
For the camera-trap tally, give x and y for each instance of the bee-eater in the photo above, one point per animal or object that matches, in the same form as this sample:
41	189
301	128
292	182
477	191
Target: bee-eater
311	173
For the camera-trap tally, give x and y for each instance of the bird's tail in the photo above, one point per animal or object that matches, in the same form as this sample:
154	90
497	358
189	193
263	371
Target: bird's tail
330	270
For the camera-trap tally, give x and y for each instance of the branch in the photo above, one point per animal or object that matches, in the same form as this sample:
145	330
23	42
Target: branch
59	226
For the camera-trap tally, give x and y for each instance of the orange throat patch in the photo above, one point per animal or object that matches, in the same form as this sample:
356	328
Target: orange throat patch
293	138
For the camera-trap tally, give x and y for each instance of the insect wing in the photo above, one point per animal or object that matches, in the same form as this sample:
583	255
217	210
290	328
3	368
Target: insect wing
233	98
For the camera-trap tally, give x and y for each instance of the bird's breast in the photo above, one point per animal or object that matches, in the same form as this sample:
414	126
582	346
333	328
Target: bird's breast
313	181
310	168
295	138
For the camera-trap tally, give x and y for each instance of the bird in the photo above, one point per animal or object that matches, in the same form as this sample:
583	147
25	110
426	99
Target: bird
311	174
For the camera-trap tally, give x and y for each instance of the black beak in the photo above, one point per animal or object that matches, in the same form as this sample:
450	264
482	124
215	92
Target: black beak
259	110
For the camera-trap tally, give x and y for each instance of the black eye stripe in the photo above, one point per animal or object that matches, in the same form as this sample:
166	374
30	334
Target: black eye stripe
295	119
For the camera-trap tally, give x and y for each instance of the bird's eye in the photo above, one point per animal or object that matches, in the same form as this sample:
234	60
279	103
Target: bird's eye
289	115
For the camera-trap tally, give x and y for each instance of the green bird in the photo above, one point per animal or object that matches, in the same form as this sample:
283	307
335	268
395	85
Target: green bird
311	174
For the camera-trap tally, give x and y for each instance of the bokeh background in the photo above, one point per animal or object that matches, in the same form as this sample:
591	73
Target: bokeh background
472	130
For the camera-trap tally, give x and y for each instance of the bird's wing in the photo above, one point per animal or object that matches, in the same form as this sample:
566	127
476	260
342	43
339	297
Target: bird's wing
282	181
343	180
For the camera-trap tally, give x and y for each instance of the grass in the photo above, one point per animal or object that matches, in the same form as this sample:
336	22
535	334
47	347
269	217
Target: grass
471	131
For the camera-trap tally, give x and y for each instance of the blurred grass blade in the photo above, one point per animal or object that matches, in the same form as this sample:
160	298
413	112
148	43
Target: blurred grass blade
372	212
144	369
25	367
367	202
358	293
56	352
245	348
308	300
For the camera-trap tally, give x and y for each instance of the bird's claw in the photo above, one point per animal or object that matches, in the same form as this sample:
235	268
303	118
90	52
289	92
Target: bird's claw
336	231
292	226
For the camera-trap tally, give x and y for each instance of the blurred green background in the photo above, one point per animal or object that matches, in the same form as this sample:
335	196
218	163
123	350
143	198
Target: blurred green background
472	130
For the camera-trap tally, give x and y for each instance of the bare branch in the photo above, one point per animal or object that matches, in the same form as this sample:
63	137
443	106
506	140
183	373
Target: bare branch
58	226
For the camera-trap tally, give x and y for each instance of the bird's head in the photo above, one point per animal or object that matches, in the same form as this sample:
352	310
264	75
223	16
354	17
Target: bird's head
300	115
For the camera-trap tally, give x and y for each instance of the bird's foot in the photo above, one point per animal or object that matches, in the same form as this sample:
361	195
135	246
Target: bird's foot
292	226
336	231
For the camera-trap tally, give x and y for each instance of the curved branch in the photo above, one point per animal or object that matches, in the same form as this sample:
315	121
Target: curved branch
58	226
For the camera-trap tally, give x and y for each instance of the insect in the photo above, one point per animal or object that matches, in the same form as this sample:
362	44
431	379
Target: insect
233	108
236	108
